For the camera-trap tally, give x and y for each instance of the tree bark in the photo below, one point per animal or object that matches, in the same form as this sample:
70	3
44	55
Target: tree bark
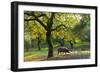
61	42
71	44
48	35
49	42
38	43
32	43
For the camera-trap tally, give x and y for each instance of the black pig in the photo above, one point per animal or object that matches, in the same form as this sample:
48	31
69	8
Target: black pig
63	49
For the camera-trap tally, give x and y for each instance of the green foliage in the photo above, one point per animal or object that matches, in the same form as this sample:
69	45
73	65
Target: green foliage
55	28
83	29
26	45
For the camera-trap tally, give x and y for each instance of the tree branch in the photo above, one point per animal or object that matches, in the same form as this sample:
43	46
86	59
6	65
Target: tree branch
50	21
42	15
41	23
27	14
37	19
29	19
32	14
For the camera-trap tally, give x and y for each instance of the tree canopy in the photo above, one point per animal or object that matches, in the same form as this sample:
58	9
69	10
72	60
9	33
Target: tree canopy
48	25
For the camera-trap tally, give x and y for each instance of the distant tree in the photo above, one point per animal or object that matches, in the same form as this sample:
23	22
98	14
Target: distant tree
66	33
53	25
83	28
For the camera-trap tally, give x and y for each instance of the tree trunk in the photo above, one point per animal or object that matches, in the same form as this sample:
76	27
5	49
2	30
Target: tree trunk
38	43
26	45
49	42
71	44
61	42
32	43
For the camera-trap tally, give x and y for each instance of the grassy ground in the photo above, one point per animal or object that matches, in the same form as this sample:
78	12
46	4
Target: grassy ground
35	55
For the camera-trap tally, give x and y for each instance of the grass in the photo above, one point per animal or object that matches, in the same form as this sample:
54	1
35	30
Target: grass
34	54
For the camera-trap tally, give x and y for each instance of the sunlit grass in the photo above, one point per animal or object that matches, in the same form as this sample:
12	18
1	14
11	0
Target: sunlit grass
35	55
